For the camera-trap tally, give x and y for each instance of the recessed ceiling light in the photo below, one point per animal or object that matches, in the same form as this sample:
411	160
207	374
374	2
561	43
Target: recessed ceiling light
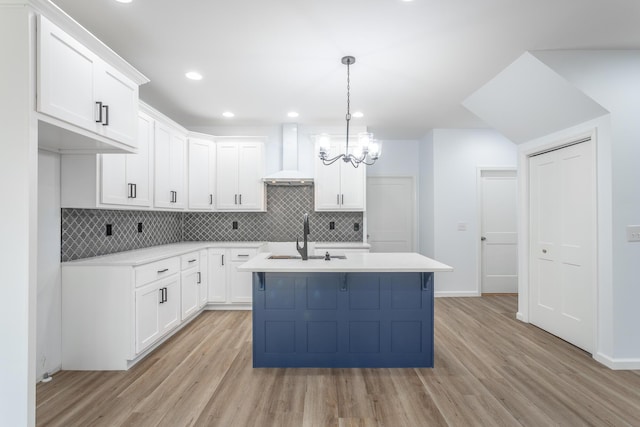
124	1
228	114
358	114
193	75
292	114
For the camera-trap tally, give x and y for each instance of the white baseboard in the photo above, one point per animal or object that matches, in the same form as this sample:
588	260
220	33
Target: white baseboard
617	364
521	317
443	294
222	306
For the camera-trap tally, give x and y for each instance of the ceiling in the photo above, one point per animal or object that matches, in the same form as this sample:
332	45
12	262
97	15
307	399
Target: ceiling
416	61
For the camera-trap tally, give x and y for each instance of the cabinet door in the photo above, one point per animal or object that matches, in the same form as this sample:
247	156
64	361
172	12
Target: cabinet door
250	173
217	276
139	166
148	299
119	98
240	284
124	178
177	169
201	174
65	77
169	311
190	290
203	282
113	179
352	187
169	168
327	183
227	176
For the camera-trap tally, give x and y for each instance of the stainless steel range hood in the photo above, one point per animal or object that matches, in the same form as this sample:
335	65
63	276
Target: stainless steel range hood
289	175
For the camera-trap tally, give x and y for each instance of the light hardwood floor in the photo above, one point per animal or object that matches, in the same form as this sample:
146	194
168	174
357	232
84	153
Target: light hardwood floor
489	369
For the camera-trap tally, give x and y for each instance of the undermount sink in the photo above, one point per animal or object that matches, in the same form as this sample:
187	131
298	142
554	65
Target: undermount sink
310	257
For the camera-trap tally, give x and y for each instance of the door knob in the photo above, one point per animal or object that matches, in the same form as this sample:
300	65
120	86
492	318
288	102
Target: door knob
483	238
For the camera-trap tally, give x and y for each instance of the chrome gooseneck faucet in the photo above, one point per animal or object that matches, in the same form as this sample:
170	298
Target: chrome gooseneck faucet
303	251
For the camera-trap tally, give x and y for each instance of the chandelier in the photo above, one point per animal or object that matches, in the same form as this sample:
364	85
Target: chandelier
365	151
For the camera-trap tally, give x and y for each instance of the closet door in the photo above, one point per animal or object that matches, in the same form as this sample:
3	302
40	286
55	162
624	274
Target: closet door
562	243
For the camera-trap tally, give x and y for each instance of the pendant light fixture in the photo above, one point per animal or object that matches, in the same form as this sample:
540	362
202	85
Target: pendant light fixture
365	150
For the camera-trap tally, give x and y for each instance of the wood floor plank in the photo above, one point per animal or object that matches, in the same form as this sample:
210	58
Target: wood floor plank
490	369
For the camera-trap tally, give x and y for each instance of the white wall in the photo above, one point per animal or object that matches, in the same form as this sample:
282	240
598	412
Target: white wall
48	335
612	78
602	126
457	154
398	158
18	210
426	196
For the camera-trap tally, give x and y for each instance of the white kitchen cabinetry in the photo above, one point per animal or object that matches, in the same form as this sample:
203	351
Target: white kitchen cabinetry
203	285
170	167
241	289
190	279
228	287
217	275
125	178
157	310
202	175
340	186
110	180
239	172
79	88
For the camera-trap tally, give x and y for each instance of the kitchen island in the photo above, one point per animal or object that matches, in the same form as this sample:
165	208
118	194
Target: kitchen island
368	310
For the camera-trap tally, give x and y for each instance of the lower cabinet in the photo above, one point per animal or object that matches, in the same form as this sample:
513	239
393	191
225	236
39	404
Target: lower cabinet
157	310
228	287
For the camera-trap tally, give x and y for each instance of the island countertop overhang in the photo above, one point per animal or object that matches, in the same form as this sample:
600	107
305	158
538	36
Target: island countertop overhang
354	263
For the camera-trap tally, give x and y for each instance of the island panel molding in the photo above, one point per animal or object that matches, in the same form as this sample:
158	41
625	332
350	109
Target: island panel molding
343	320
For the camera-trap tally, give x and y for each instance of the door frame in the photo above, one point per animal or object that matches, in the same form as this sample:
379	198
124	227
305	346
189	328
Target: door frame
414	225
524	225
479	171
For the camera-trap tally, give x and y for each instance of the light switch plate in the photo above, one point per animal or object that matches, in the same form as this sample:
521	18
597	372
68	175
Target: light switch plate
633	233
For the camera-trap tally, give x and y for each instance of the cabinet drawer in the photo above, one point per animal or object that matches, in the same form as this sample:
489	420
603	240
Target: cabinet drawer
157	270
242	254
189	260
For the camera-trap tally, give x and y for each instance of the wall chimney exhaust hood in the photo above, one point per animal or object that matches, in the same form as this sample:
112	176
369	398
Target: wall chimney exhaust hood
289	175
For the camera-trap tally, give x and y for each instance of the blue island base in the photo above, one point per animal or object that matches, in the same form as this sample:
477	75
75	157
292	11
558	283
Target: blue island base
343	320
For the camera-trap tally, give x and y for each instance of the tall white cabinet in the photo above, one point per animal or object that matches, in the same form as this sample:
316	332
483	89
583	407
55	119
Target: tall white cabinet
239	172
170	167
202	174
126	178
340	186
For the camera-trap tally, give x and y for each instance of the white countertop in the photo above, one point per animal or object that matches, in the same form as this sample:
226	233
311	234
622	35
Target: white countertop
356	263
155	253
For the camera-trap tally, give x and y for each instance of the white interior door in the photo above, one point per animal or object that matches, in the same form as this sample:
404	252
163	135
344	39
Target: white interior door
562	246
390	214
499	267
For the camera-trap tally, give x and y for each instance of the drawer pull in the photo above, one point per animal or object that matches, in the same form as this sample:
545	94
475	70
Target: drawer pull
192	260
199	277
242	256
163	271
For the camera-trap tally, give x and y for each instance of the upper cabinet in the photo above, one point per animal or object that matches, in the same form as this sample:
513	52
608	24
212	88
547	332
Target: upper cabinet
126	178
340	186
170	167
77	87
239	172
202	174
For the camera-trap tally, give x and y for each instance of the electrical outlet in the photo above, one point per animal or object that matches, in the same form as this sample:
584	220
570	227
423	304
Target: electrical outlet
332	225
109	229
356	226
234	225
139	227
633	233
